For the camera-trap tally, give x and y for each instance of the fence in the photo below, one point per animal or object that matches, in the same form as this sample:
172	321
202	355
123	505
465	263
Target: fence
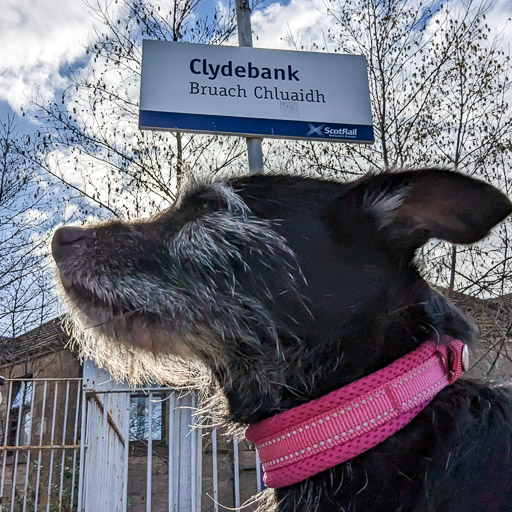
39	432
94	445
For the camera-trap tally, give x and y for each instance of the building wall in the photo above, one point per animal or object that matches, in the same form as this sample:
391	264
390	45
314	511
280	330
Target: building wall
60	363
137	472
63	364
226	472
45	420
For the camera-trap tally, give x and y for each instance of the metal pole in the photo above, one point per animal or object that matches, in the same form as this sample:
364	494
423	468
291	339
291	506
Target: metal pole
243	21
75	439
63	460
126	419
172	468
149	466
236	471
52	439
29	453
215	471
6	442
259	476
21	396
41	432
83	439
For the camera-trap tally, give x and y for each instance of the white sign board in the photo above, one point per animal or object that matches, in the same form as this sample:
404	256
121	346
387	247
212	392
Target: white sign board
252	92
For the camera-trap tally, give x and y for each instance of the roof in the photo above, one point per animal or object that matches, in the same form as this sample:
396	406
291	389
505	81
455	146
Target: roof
493	317
45	338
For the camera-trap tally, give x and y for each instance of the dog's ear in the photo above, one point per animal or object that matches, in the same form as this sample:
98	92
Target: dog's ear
414	206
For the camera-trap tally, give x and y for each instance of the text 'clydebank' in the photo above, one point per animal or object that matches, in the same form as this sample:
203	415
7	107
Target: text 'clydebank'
249	70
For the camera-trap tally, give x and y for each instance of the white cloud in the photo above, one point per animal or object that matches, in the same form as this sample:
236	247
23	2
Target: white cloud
38	40
499	20
296	25
300	23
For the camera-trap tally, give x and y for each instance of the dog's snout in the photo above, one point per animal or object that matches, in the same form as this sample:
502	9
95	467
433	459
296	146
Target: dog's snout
65	241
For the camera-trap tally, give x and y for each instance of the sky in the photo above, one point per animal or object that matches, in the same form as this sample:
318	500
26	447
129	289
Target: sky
42	41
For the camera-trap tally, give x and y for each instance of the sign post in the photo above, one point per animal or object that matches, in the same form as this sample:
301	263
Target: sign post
243	20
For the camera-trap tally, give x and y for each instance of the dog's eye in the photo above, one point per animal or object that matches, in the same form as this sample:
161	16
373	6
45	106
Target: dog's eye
203	207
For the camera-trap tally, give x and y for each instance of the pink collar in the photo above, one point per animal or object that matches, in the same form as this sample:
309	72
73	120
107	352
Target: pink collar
320	434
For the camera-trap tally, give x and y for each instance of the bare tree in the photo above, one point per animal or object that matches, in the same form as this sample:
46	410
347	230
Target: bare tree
438	83
94	127
23	238
440	92
471	132
88	153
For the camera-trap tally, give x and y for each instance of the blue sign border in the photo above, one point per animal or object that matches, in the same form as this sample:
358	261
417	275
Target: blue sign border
244	126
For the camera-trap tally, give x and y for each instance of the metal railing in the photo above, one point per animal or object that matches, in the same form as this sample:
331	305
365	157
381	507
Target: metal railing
39	432
73	445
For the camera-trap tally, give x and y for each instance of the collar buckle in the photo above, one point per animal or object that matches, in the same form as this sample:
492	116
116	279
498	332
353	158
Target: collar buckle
455	356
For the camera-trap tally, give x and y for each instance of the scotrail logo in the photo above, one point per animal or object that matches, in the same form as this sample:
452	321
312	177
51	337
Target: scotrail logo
315	130
339	133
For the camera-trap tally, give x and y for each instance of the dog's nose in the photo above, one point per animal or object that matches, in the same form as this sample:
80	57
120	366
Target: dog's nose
66	239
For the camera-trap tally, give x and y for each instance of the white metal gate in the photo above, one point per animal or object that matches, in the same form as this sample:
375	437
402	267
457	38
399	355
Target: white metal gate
99	446
39	436
157	425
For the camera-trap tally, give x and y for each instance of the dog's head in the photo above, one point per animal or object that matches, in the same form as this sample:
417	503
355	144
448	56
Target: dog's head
286	287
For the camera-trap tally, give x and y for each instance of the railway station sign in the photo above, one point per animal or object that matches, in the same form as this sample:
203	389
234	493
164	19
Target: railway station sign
243	91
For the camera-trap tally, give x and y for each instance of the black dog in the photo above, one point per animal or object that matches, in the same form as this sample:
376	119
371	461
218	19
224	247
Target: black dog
288	288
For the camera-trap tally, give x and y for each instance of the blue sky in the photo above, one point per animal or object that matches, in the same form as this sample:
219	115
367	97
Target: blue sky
42	40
